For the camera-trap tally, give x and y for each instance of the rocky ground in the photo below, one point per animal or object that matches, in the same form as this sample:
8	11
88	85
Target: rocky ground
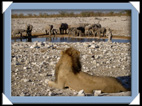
33	65
120	25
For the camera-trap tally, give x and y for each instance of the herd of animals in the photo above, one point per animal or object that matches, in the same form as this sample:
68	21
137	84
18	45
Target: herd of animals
81	29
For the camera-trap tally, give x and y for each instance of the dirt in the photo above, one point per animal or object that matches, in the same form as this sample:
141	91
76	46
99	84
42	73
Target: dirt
33	64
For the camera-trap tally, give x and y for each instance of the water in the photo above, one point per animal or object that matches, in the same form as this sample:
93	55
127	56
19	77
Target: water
65	39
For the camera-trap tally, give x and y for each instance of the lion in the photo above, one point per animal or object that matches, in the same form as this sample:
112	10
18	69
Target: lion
68	74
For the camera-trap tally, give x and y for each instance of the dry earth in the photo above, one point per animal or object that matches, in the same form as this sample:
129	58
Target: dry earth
33	64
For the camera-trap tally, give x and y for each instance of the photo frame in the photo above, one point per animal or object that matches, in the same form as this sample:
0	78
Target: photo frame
8	99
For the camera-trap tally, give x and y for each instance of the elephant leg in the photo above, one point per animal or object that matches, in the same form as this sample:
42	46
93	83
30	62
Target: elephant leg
95	34
29	33
46	32
66	31
104	34
99	35
49	32
74	33
21	35
79	34
60	30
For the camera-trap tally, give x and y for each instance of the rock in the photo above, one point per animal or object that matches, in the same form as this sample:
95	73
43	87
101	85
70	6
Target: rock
25	80
32	46
17	63
81	93
46	81
17	70
96	46
24	68
53	72
49	93
98	64
104	51
92	46
97	92
84	56
114	66
97	56
22	94
108	62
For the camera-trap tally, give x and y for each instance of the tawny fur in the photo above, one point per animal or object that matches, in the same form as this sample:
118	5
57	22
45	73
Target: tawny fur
68	74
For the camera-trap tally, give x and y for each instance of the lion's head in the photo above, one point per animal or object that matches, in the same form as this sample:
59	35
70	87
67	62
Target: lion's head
75	56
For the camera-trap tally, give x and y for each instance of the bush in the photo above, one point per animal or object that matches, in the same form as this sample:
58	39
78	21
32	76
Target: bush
72	14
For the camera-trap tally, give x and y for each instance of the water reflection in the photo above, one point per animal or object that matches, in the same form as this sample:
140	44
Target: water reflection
66	39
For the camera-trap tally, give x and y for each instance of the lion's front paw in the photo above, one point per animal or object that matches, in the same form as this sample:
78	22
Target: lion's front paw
50	83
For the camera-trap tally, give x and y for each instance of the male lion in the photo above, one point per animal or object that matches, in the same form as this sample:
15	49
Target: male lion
68	74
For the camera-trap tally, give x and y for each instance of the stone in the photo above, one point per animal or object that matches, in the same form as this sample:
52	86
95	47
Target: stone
17	70
81	93
24	68
17	63
97	92
49	93
98	64
25	80
92	46
22	94
46	81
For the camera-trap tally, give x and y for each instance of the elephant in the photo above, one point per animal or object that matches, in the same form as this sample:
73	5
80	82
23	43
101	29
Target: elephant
81	31
63	28
74	31
98	25
89	32
19	31
48	29
100	31
29	28
54	31
71	30
90	29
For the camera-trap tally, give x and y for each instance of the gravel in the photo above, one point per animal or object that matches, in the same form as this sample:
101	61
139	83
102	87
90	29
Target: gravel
33	64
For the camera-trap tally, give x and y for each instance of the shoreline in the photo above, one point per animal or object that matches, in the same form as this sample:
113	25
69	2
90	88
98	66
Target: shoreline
66	36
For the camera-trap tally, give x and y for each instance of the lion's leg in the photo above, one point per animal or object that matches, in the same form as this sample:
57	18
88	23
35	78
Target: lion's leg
52	84
60	84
